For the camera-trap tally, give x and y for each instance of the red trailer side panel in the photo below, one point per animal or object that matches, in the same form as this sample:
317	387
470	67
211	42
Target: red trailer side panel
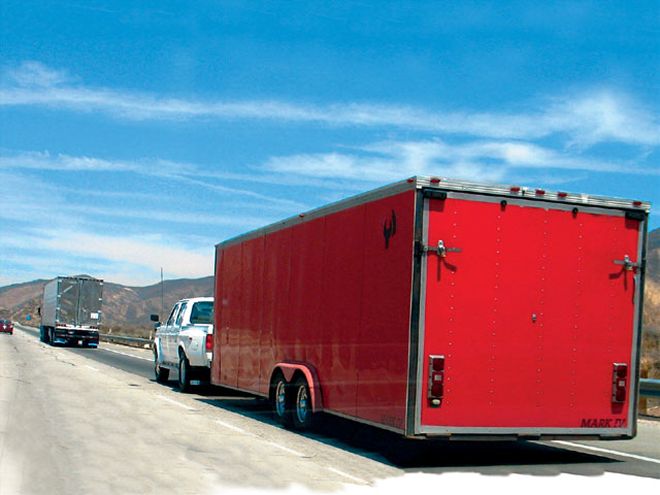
332	293
531	315
383	345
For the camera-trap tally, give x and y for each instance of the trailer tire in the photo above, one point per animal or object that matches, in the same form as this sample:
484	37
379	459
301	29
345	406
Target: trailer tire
301	401
184	373
281	401
162	374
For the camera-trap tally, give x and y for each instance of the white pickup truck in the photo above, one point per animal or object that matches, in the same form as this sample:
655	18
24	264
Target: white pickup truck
184	342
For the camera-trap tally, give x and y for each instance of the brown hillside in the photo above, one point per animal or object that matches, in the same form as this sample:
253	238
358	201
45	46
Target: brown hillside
122	306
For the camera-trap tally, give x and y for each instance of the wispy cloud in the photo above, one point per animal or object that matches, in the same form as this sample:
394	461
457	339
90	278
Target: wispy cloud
180	172
477	160
138	258
583	118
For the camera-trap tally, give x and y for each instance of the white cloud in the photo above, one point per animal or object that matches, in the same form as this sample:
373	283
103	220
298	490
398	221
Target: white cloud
487	161
186	173
35	74
80	251
585	118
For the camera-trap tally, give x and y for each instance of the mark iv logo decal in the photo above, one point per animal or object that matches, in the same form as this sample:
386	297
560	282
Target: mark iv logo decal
389	229
602	423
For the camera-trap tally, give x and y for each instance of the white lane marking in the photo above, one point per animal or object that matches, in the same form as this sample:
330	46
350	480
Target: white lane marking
176	403
91	367
285	449
607	451
125	354
231	427
346	475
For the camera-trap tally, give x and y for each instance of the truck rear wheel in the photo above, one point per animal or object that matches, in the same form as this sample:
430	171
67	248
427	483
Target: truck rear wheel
162	374
280	399
184	373
302	404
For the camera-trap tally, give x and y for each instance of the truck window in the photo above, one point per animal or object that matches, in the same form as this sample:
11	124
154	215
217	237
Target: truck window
179	317
202	312
170	319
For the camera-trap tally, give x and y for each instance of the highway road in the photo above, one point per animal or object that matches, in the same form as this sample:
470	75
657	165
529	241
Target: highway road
94	421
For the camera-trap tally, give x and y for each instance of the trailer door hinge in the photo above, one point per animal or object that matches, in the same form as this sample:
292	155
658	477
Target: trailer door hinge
441	250
627	263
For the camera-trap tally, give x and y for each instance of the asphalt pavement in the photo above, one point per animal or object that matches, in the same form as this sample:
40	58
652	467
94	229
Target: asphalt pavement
237	445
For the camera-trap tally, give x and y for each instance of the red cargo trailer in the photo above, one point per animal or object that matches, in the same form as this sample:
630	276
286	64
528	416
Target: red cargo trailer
434	307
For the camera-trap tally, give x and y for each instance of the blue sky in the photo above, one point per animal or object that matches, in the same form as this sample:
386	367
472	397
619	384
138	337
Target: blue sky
136	135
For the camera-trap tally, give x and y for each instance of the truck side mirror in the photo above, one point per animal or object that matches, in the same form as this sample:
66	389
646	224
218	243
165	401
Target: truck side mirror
154	318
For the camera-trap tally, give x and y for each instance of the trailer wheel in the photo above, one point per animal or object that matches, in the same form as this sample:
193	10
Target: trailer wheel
302	404
162	374
281	401
184	373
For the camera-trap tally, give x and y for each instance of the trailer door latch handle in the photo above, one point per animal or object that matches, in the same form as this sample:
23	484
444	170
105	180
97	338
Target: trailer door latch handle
627	263
441	249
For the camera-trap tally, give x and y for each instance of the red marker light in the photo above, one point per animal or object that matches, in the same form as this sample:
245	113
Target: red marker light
410	181
435	180
540	192
515	189
562	194
637	203
436	380
619	382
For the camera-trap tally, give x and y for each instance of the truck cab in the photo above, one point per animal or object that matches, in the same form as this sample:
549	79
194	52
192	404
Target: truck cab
183	343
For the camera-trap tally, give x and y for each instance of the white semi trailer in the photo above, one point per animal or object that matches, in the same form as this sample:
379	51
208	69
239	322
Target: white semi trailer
71	311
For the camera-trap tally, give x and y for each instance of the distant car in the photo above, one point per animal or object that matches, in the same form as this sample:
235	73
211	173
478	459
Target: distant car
6	326
184	343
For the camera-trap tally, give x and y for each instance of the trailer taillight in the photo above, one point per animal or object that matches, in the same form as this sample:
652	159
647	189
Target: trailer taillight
209	342
436	380
619	382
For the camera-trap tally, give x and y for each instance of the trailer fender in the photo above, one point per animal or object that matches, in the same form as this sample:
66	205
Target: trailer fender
309	372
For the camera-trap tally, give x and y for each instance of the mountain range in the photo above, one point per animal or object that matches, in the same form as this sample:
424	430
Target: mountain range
123	306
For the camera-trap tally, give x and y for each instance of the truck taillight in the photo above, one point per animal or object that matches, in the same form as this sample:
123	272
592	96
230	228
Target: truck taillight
619	382
209	342
436	380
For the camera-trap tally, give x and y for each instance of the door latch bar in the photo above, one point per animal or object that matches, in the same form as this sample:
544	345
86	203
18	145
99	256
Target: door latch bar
627	263
441	250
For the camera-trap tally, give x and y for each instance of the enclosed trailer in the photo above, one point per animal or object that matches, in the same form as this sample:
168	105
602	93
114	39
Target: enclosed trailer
441	308
71	311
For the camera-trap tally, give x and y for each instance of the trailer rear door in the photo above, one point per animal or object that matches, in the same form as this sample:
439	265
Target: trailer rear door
528	317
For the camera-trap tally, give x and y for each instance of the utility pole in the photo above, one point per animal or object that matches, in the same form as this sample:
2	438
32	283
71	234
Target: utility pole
162	295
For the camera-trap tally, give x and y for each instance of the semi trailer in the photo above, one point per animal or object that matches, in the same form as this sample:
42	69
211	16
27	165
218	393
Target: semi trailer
438	308
70	311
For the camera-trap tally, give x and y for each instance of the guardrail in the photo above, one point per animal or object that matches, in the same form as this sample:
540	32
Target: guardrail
649	387
124	339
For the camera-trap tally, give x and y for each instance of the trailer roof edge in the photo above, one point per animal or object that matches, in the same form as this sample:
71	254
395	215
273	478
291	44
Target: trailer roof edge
443	183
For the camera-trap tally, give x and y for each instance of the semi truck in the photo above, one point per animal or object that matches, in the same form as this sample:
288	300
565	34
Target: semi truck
439	308
70	311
